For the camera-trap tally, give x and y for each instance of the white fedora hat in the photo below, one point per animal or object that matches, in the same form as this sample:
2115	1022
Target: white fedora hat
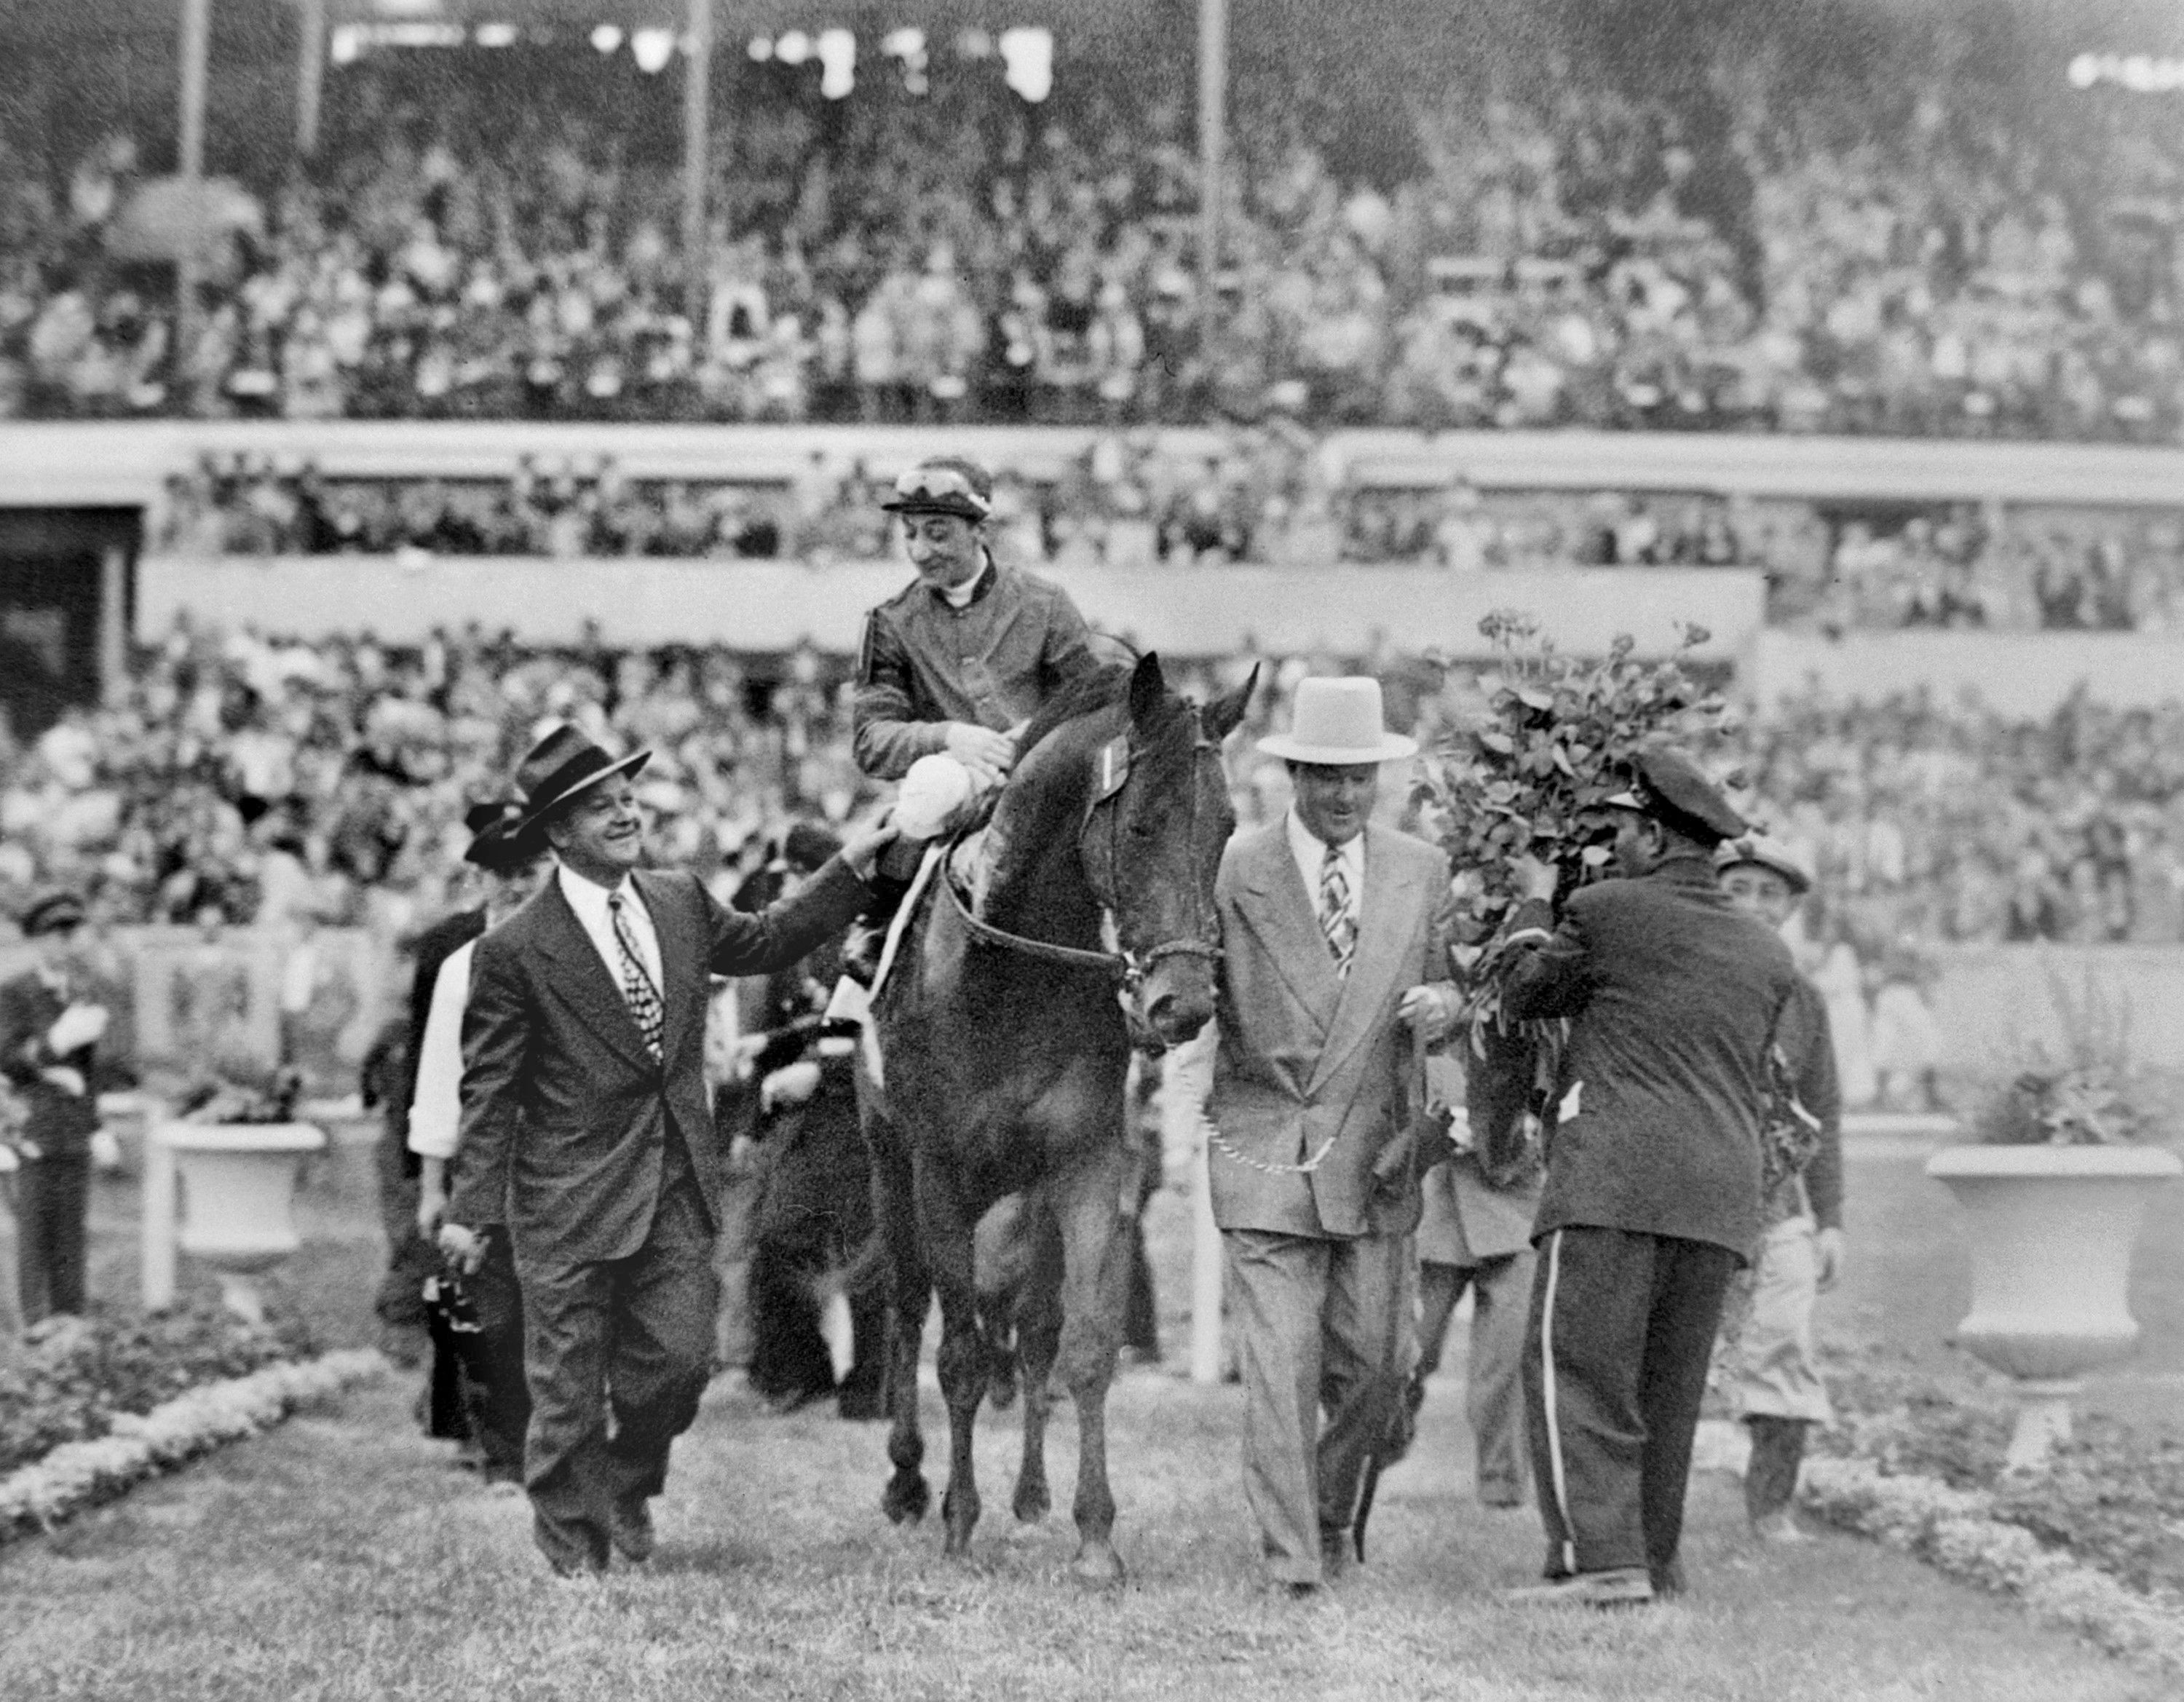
1337	724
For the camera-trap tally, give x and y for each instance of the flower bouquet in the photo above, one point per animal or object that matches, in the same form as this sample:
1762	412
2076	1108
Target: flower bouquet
1523	780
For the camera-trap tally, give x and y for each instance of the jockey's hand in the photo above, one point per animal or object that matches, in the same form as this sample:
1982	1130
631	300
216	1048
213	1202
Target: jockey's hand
1427	1010
431	1207
466	1247
861	847
988	754
1829	1249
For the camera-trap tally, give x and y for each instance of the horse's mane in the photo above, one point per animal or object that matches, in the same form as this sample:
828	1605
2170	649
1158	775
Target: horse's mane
1100	687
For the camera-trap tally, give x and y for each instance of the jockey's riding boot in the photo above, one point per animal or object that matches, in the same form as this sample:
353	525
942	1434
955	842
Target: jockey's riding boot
892	876
1770	1480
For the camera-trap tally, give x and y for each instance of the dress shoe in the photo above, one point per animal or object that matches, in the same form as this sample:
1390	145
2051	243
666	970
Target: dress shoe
577	1574
1336	1556
1779	1527
630	1528
1292	1589
1668	1578
1615	1587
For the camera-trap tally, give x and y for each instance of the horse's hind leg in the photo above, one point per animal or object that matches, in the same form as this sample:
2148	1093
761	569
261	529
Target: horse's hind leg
1095	1264
1039	1334
909	1291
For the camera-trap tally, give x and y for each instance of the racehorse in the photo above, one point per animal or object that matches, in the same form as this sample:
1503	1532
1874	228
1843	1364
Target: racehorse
1003	1048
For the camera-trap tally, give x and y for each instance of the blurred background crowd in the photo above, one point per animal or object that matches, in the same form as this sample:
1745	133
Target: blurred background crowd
244	780
1811	217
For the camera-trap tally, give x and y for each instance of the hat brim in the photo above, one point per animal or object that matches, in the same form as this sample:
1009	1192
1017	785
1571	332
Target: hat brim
534	817
1392	747
1799	882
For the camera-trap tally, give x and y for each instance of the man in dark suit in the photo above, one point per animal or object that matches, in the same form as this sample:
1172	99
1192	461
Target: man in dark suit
1651	1199
48	1033
584	1111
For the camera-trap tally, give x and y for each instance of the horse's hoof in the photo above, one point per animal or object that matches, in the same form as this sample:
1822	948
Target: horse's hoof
1032	1503
905	1499
1097	1567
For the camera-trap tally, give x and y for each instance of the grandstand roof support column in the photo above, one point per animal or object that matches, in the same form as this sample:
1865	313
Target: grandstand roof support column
196	49
697	133
1212	127
310	72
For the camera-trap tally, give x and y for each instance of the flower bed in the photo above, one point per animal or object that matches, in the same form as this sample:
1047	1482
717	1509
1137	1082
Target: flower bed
76	1474
79	1375
2095	1543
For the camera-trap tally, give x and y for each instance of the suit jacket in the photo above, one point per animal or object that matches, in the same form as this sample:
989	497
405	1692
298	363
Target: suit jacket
1672	994
1468	1220
56	1121
1305	1054
565	1114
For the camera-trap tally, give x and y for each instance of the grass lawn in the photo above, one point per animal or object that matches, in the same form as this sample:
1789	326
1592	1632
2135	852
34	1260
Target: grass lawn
341	1557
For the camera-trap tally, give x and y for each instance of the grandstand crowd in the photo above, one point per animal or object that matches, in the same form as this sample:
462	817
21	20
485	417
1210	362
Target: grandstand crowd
1831	218
241	780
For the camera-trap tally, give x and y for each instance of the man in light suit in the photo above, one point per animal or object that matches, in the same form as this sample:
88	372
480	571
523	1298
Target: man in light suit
1476	1233
1334	936
584	1120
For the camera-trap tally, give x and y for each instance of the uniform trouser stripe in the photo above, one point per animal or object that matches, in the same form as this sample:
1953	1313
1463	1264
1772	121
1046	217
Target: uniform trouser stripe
1558	1476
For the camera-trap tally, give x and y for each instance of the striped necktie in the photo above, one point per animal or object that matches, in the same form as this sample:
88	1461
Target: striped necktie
637	986
1337	918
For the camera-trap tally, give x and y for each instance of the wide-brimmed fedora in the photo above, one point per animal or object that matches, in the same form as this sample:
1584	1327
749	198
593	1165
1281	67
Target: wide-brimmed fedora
1337	723
559	767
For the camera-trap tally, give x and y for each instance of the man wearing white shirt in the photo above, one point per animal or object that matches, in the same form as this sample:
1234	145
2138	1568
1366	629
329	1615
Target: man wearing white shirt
496	1402
1334	943
585	1119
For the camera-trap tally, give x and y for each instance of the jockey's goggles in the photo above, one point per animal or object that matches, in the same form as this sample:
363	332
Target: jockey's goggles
937	491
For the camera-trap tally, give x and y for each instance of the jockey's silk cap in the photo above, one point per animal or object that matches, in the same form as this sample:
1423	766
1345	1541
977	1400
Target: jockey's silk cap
947	485
1764	852
51	913
559	767
1671	790
1338	723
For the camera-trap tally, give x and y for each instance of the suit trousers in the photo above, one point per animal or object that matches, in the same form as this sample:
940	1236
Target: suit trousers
1621	1331
1494	1398
53	1201
496	1399
627	1340
1324	1340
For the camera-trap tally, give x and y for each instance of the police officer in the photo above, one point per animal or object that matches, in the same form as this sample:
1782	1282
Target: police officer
1771	1374
1651	1199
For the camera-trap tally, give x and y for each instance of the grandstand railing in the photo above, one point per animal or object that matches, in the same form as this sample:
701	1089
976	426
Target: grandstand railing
124	463
769	606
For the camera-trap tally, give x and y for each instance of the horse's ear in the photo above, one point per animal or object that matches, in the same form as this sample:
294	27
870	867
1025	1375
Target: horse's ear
1225	714
1148	690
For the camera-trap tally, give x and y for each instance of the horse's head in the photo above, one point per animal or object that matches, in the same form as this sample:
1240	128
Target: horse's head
1152	848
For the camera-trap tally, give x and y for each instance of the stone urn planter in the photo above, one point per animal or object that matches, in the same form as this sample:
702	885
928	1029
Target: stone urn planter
2051	1229
237	1184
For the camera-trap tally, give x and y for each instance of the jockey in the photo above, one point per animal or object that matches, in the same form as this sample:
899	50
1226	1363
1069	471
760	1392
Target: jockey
950	663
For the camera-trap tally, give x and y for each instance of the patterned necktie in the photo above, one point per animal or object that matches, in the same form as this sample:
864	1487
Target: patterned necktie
636	985
1336	921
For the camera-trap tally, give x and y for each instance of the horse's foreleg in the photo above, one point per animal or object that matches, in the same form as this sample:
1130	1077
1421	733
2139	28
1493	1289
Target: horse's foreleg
949	1258
1095	1269
909	1291
1038	1314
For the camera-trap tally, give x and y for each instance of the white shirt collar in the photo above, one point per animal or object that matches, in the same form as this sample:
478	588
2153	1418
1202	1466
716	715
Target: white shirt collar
960	596
1310	852
587	897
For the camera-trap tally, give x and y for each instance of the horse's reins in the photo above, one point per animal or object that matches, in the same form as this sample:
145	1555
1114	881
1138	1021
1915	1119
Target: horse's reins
1127	968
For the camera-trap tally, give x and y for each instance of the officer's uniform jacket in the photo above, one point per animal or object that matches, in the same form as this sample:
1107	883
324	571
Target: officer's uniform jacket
1672	994
1305	1055
58	1123
992	663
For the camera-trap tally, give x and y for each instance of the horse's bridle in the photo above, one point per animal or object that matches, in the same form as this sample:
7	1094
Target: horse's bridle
1128	968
